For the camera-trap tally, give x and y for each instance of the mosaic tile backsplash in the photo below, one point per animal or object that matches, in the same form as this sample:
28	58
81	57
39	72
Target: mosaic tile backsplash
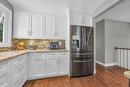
22	44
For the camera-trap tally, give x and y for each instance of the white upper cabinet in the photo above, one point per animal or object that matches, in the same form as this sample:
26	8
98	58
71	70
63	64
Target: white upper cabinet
50	26
80	19
61	30
87	20
75	19
43	26
21	25
36	26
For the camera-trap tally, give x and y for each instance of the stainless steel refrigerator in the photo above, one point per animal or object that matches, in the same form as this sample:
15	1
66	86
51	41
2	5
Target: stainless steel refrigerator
82	51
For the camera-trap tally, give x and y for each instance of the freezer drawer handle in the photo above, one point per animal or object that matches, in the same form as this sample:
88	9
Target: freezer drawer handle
82	61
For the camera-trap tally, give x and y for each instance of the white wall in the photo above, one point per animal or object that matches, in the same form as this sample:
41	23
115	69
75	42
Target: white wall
100	41
110	34
116	34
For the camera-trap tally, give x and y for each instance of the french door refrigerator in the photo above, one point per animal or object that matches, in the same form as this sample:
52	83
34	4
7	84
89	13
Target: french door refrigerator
81	51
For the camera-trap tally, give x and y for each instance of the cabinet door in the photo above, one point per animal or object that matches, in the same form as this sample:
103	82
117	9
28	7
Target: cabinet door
51	64
21	25
38	67
60	31
75	19
36	25
62	66
86	20
50	27
43	26
62	63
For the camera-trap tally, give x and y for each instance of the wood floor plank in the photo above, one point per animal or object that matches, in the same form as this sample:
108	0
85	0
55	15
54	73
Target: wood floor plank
111	77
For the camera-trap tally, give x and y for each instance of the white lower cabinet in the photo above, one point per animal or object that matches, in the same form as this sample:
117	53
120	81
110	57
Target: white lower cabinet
36	65
62	64
4	74
19	71
51	64
43	65
14	72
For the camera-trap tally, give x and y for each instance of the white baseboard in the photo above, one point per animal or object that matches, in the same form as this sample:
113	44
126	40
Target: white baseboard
100	63
107	64
110	64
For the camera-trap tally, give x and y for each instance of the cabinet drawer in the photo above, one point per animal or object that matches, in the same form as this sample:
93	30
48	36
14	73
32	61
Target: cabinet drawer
51	55
4	80
18	62
18	70
38	55
3	70
17	77
62	55
22	79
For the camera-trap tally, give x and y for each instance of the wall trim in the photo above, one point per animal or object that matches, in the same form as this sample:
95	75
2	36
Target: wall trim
110	64
107	64
100	63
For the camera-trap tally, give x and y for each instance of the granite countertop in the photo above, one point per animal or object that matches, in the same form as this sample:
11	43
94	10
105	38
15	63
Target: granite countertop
14	53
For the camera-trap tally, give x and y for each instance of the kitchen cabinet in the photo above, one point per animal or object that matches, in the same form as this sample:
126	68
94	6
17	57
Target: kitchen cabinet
22	27
50	27
19	71
62	63
4	74
80	19
38	65
61	28
75	19
43	26
13	72
36	26
43	65
51	64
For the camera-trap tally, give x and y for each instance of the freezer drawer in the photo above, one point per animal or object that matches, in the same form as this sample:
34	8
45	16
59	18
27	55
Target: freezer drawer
81	68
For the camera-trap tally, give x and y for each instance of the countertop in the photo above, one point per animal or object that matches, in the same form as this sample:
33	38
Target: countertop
14	53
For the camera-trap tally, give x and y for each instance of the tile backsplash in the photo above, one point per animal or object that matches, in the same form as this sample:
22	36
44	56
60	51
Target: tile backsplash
21	44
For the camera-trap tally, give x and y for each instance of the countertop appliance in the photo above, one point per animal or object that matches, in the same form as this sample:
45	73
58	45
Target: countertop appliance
54	45
82	51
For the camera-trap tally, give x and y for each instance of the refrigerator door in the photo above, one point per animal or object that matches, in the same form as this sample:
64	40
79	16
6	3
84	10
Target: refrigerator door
81	39
81	56
86	39
81	67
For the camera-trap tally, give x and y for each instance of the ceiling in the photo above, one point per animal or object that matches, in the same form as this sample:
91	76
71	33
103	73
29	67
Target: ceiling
87	5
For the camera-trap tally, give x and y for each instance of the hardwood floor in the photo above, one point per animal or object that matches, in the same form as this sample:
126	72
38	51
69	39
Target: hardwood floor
112	77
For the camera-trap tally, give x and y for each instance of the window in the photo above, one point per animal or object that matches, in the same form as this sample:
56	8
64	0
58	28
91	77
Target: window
1	26
5	26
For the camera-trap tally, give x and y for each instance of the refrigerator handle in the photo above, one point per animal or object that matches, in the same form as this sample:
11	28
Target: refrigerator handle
76	61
